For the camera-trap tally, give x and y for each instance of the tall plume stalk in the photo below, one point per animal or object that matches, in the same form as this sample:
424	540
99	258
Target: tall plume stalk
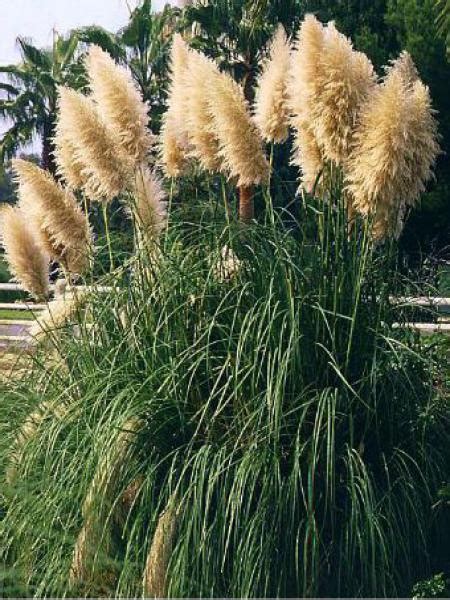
122	108
173	142
56	215
396	145
106	170
271	100
27	262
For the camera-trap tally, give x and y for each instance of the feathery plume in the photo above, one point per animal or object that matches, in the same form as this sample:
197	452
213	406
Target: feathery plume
329	84
27	262
395	148
309	158
150	205
202	78
172	152
179	60
120	103
345	79
271	101
56	214
106	168
68	167
404	65
99	500
56	316
302	90
155	579
173	138
227	266
240	145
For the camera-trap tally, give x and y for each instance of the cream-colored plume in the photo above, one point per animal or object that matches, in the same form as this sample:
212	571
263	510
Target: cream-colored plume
227	265
179	59
56	214
345	79
119	103
27	263
172	152
271	101
95	533
106	168
329	84
56	316
240	144
395	149
309	158
69	168
173	139
302	91
201	78
150	209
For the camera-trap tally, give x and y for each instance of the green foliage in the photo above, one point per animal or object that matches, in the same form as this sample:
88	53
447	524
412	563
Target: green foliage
31	93
299	435
436	587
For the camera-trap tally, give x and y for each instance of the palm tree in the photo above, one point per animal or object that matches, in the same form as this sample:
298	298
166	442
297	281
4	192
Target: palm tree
143	45
146	41
443	20
31	93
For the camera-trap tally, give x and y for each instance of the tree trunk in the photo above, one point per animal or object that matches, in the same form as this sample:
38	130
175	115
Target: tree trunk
48	147
246	205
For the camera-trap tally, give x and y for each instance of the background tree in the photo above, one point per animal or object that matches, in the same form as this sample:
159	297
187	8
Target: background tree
31	93
146	41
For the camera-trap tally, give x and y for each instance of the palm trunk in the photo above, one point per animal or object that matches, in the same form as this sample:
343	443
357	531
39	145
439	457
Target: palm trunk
48	147
246	205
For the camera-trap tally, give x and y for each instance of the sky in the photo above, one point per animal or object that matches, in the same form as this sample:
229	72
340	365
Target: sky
36	19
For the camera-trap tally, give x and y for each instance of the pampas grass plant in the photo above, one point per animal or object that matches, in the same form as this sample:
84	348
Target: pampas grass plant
277	434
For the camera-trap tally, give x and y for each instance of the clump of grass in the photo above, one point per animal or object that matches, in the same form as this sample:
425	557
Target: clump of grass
301	436
236	417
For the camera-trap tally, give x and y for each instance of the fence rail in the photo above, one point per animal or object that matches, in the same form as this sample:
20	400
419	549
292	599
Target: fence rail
9	335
